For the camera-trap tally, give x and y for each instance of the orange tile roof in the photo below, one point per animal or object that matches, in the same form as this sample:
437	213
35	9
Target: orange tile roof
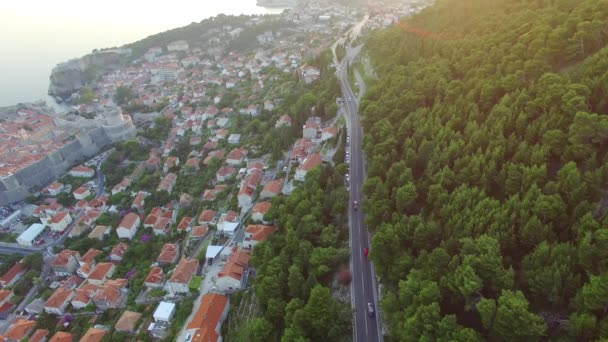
274	186
128	222
311	161
155	276
184	223
62	336
63	258
12	272
93	335
207	317
168	253
127	321
206	216
4	294
58	298
120	249
39	335
101	270
259	232
19	329
261	207
199	231
85	293
184	271
90	255
236	265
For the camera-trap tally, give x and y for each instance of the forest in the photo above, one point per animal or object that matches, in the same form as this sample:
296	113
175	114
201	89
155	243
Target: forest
486	137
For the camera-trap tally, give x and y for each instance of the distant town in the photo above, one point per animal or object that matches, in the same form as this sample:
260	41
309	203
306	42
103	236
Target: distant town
133	214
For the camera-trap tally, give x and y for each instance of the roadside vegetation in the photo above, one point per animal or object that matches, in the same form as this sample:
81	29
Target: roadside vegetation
486	137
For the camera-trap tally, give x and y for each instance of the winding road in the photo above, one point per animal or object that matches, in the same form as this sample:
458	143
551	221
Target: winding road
366	327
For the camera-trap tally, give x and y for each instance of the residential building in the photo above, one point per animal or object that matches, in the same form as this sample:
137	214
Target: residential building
284	121
128	226
185	223
155	278
101	273
118	251
66	263
206	324
20	329
10	277
224	173
234	139
255	234
81	193
60	221
206	217
6	296
272	189
55	188
167	183
234	273
183	273
164	312
58	301
259	210
128	322
83	296
168	254
93	335
170	163
235	157
99	233
309	163
39	335
62	336
228	223
111	295
199	232
82	171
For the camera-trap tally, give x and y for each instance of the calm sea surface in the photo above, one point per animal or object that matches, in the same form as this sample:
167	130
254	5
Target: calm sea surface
36	35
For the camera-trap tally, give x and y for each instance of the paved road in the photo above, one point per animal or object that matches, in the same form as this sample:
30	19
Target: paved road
363	286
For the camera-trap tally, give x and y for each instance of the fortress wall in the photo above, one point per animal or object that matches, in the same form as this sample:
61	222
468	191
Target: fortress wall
17	186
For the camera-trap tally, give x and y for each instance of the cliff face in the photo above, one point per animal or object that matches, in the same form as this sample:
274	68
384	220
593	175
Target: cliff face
67	78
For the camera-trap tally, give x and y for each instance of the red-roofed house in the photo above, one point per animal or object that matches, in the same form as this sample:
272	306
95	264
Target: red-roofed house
101	273
84	295
55	188
93	335
58	301
183	273
245	196
284	120
309	163
6	296
259	210
60	221
272	189
61	336
138	201
39	335
231	277
199	232
19	329
206	324
155	278
82	171
81	193
256	233
184	224
235	157
111	295
12	275
128	226
206	217
66	263
224	173
168	254
118	251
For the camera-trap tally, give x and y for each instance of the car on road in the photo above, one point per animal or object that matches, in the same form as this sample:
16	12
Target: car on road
370	310
349	99
365	251
355	205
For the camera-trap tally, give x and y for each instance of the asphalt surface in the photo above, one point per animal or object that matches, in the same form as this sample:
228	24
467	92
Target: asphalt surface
363	287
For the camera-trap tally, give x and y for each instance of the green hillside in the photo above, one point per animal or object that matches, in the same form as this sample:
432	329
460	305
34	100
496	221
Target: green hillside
486	139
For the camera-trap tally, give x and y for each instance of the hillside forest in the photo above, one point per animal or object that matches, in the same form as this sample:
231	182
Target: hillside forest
486	137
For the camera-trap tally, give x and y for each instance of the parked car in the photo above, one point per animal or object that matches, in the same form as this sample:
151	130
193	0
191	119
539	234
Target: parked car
355	205
365	251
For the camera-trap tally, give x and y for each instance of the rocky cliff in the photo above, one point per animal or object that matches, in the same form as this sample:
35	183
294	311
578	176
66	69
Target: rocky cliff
67	78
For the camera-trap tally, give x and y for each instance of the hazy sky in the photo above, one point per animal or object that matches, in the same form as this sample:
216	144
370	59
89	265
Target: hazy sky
35	35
